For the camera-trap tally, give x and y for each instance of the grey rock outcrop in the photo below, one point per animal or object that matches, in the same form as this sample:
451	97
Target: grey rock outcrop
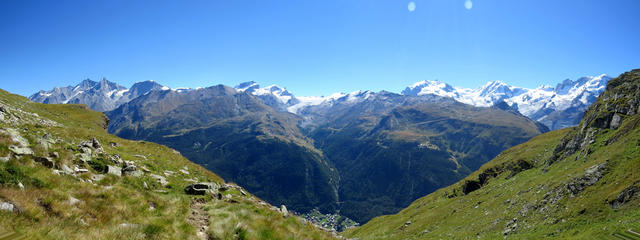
93	144
626	195
113	170
201	188
45	161
20	144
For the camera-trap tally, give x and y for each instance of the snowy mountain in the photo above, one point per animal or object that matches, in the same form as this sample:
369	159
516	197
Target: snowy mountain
100	96
557	107
274	96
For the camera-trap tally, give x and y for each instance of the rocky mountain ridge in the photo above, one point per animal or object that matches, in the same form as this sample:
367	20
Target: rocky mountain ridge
556	107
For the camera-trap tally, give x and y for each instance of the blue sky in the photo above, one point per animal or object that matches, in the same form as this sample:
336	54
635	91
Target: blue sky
314	47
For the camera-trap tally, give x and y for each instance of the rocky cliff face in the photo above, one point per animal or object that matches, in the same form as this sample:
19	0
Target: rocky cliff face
620	101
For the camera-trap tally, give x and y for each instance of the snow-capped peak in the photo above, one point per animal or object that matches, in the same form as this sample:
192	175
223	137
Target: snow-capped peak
431	87
247	86
529	102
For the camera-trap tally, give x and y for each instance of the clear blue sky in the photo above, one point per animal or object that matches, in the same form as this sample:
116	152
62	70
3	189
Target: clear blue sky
314	47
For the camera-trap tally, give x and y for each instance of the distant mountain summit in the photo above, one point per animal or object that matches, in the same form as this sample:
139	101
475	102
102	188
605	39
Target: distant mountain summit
100	96
274	96
557	107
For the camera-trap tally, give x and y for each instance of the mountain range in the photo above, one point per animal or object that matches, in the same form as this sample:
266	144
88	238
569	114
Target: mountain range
556	107
99	96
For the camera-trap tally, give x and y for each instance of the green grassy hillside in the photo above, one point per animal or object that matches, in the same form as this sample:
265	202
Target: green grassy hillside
577	183
56	183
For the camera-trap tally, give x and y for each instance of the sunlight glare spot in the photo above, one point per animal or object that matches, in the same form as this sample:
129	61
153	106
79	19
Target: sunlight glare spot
412	6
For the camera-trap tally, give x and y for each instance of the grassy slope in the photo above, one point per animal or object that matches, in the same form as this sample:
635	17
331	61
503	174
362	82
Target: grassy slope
486	212
115	201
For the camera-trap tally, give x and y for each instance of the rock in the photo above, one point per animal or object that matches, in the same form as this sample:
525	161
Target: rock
406	224
114	144
168	173
470	185
128	164
54	155
116	159
590	177
5	159
86	150
136	173
160	179
131	170
7	206
201	188
97	177
21	150
78	170
46	141
616	120
21	186
140	156
626	195
93	143
45	161
145	185
113	170
145	169
15	137
66	169
185	172
283	209
73	201
83	157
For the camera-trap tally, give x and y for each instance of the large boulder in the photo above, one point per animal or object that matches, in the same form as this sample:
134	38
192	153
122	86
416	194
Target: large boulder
113	170
201	188
8	206
21	150
45	161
